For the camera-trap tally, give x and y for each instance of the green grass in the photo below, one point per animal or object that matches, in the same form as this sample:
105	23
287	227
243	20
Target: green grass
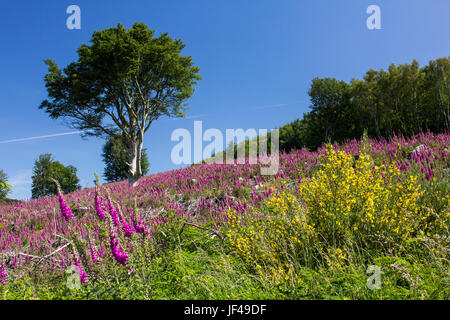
205	269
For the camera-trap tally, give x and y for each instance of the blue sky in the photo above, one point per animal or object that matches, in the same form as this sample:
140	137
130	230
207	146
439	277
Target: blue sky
257	59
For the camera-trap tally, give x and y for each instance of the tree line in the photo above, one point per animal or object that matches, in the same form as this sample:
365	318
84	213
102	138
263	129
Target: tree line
403	100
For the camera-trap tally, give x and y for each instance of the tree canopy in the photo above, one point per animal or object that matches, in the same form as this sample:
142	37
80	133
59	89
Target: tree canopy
122	82
45	168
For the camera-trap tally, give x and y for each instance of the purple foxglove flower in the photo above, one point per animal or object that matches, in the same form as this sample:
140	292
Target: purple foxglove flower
127	230
82	274
114	214
93	254
65	210
117	250
99	208
139	226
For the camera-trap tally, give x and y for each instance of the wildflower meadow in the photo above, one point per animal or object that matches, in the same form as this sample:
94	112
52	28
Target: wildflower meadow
219	231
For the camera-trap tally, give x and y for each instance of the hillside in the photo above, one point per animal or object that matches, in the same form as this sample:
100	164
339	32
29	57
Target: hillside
224	231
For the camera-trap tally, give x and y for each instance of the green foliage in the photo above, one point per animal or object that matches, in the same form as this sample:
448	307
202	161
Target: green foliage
115	157
403	100
122	82
4	187
291	135
330	108
317	239
45	169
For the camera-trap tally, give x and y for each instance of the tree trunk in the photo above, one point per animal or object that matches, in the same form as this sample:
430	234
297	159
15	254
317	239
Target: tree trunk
134	164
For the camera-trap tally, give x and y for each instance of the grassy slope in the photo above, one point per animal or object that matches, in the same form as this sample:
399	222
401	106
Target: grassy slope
196	252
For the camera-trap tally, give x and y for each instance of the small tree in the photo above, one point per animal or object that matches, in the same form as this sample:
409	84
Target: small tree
115	157
45	169
122	82
4	187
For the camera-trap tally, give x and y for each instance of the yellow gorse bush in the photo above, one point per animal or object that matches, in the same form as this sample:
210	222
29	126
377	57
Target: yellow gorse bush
348	206
268	239
350	199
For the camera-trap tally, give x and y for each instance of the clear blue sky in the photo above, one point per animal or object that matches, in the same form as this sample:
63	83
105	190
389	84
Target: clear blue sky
257	59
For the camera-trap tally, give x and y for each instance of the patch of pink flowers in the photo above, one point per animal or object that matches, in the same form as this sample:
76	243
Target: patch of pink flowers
82	274
117	250
93	254
99	207
128	230
65	210
30	226
114	214
139	226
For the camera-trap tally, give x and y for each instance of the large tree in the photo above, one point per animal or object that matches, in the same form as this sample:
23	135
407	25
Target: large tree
45	169
121	83
115	157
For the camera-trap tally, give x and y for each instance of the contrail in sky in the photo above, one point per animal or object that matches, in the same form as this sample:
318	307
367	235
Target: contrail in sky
250	108
78	132
41	137
278	105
